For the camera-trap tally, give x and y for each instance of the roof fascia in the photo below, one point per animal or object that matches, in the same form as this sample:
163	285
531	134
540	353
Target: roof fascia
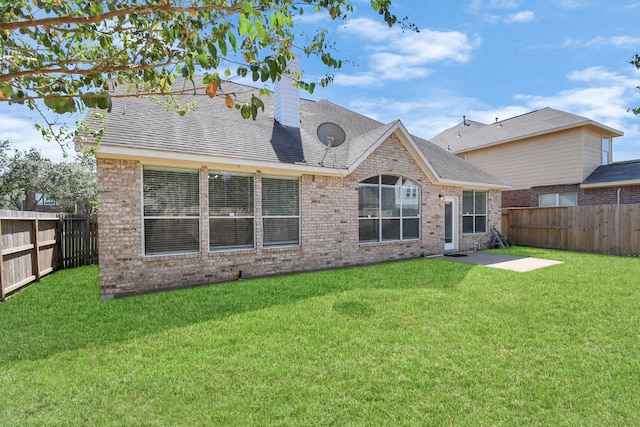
165	158
623	183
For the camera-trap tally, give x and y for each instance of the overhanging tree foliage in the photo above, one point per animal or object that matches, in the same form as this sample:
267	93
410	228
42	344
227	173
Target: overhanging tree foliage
72	53
636	63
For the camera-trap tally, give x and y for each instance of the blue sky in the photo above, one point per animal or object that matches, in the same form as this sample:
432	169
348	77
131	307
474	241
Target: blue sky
485	59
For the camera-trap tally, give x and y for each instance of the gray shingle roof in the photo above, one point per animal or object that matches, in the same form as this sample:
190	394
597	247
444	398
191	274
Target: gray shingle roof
615	172
211	129
461	137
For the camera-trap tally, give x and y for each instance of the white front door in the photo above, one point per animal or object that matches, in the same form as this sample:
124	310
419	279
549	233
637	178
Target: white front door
450	224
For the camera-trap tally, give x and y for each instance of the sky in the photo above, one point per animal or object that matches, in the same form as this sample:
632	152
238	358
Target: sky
483	59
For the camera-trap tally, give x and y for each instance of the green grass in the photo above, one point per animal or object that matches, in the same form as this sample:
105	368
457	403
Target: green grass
420	342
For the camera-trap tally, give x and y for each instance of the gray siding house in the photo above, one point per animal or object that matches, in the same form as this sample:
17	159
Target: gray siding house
210	197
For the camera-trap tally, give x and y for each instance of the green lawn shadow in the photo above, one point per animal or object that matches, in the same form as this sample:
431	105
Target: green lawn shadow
63	311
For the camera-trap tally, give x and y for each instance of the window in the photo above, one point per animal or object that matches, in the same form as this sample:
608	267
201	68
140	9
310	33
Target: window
43	200
280	211
606	150
171	211
231	214
557	199
388	209
474	211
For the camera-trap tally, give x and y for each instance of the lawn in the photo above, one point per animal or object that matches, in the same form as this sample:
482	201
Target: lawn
420	342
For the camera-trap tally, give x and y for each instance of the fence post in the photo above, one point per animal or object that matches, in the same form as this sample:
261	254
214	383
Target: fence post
35	257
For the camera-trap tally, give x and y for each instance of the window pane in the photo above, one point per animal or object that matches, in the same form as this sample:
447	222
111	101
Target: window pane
391	200
481	224
411	200
281	231
467	224
480	202
410	228
368	201
170	192
228	233
163	236
467	201
390	229
390	180
372	180
280	196
230	195
568	199
369	230
547	200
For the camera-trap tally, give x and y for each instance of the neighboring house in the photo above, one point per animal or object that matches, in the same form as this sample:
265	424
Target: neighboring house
210	197
616	183
545	155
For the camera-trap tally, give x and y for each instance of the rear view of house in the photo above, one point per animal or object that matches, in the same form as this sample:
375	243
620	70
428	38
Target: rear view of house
308	185
545	155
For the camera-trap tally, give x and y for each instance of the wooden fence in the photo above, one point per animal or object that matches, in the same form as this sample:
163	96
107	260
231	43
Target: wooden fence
606	229
35	244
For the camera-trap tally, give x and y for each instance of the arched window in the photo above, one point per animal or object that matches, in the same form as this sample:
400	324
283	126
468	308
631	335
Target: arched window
388	209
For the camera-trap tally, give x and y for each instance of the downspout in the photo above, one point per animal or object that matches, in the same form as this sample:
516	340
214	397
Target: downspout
619	190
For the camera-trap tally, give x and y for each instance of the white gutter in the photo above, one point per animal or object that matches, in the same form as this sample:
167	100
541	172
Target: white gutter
159	157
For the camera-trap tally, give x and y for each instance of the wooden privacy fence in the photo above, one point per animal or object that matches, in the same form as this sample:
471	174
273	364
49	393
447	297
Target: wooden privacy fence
35	244
606	229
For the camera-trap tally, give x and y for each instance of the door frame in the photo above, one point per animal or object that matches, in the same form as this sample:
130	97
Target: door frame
455	235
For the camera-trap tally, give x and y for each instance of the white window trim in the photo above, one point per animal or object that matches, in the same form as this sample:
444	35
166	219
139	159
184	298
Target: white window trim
239	248
474	214
380	218
143	217
299	216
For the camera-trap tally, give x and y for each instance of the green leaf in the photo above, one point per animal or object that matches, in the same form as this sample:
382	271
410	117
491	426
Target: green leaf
245	111
202	59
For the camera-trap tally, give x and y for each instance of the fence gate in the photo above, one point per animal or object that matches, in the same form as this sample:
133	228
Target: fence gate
78	241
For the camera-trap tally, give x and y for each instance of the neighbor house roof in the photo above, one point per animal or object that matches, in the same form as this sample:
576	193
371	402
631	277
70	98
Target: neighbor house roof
139	127
470	135
614	174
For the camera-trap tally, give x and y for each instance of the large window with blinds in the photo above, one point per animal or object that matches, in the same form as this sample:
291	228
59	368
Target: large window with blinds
280	211
388	209
231	211
171	211
474	211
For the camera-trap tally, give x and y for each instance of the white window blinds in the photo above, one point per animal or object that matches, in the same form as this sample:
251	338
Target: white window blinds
171	211
231	211
280	211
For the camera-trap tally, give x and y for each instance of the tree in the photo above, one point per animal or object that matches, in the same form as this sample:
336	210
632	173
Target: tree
636	63
27	179
72	53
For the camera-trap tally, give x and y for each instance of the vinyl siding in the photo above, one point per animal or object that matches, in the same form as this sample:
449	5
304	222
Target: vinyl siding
544	160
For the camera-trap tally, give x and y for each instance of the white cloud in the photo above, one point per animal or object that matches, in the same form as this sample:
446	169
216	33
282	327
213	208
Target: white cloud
398	55
23	136
520	17
621	42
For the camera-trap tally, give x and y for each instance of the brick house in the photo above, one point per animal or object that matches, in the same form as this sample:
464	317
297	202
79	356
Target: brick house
545	155
308	185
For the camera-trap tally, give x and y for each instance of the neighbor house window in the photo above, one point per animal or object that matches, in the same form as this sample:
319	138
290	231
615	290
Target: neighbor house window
606	150
171	211
388	209
43	200
280	211
557	199
231	214
474	211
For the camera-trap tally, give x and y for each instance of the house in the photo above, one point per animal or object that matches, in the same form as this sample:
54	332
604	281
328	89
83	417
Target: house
613	184
545	155
308	185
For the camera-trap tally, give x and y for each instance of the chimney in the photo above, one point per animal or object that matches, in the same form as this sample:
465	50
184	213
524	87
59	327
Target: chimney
287	97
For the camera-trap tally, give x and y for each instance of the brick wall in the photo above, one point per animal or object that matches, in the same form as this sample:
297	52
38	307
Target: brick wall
586	196
329	228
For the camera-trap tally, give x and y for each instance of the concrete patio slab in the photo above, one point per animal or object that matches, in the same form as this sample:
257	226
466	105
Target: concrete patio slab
502	261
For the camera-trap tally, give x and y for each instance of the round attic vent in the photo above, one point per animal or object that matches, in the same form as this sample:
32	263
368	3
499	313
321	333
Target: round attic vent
331	134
